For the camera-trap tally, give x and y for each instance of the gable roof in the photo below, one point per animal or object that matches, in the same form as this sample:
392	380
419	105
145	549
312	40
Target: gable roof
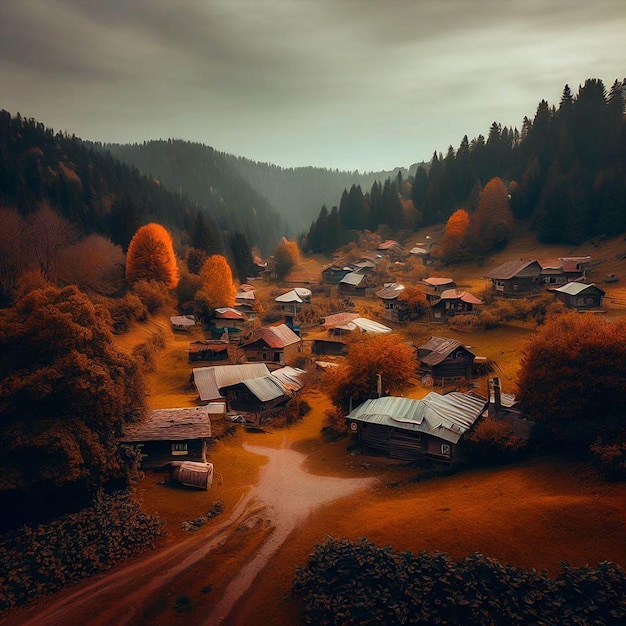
464	296
183	320
245	295
299	294
437	281
265	388
339	319
573	289
290	377
390	291
440	348
274	336
209	380
444	416
228	313
510	269
353	278
170	425
369	326
390	243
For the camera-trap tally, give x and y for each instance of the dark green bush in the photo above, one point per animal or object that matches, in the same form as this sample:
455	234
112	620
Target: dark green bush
354	582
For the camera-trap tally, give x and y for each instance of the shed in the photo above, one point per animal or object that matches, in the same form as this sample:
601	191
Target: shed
580	296
404	428
208	350
182	322
395	310
171	435
353	283
445	359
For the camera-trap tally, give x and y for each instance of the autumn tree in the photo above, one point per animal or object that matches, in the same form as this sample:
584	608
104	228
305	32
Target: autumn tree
454	244
15	251
217	286
151	256
66	393
573	378
286	257
491	224
367	358
416	301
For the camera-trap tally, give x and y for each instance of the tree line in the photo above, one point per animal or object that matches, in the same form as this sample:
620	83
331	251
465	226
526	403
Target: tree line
565	172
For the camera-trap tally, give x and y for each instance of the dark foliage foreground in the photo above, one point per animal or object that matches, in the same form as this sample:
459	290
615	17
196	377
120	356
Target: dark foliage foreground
39	560
354	582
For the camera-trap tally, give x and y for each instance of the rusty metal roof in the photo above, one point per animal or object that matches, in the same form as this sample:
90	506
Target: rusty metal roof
290	377
339	319
228	313
437	281
440	348
274	336
456	294
444	416
171	425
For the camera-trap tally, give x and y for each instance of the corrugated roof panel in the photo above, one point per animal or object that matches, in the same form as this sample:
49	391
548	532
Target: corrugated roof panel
573	289
353	278
209	380
265	388
369	326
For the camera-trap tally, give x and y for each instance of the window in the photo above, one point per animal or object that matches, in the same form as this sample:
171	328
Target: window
179	448
445	449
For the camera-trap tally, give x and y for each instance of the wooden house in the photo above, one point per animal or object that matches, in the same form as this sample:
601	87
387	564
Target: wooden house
552	272
209	380
245	303
258	398
576	267
516	277
353	283
171	435
404	428
434	286
441	359
182	323
395	310
453	302
228	317
273	344
580	296
332	274
292	302
208	350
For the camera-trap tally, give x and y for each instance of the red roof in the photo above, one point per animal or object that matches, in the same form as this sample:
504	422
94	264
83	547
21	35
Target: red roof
274	336
436	280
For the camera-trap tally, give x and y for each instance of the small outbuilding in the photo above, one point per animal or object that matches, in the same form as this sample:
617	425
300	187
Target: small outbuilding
404	428
516	277
580	296
208	350
182	322
453	302
273	344
353	283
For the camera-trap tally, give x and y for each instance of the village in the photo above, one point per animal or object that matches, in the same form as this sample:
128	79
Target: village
249	374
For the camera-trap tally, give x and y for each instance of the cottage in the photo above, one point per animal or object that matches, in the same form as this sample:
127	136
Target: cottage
332	274
395	310
353	283
274	344
516	277
576	266
580	296
453	302
434	286
552	272
208	350
209	380
171	435
182	322
404	428
441	359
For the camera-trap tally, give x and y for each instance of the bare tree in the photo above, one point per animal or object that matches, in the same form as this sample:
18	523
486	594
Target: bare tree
15	257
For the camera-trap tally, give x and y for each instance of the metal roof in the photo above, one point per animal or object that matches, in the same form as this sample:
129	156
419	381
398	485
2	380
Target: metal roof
390	243
444	416
265	388
418	250
353	278
274	336
245	295
170	425
339	319
298	294
290	377
390	291
228	313
436	281
440	348
183	320
209	380
510	269
573	289
369	326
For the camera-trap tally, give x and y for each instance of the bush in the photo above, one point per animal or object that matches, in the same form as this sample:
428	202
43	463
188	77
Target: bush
153	295
492	441
44	559
335	425
146	351
610	456
355	582
124	311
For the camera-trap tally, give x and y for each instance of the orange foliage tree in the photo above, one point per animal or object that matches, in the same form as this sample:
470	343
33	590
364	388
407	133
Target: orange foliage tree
66	393
573	378
151	256
454	244
286	257
218	288
492	222
358	378
416	301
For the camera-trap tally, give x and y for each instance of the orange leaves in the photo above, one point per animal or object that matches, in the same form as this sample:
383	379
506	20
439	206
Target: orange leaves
286	257
151	256
218	288
454	241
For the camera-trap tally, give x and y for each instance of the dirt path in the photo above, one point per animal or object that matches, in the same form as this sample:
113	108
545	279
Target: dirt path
285	495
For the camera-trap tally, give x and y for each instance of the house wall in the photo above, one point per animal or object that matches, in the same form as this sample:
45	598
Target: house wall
158	453
517	284
581	301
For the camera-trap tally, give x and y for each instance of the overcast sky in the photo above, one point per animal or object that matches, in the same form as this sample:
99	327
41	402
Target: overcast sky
352	84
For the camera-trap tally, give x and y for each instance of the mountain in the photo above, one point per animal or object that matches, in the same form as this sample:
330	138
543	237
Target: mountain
209	180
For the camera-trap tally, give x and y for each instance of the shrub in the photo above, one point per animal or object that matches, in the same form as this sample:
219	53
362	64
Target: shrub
492	441
124	311
153	295
146	351
610	456
46	558
335	425
355	582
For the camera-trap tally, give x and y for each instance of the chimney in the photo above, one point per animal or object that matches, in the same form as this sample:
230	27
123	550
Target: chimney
495	397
